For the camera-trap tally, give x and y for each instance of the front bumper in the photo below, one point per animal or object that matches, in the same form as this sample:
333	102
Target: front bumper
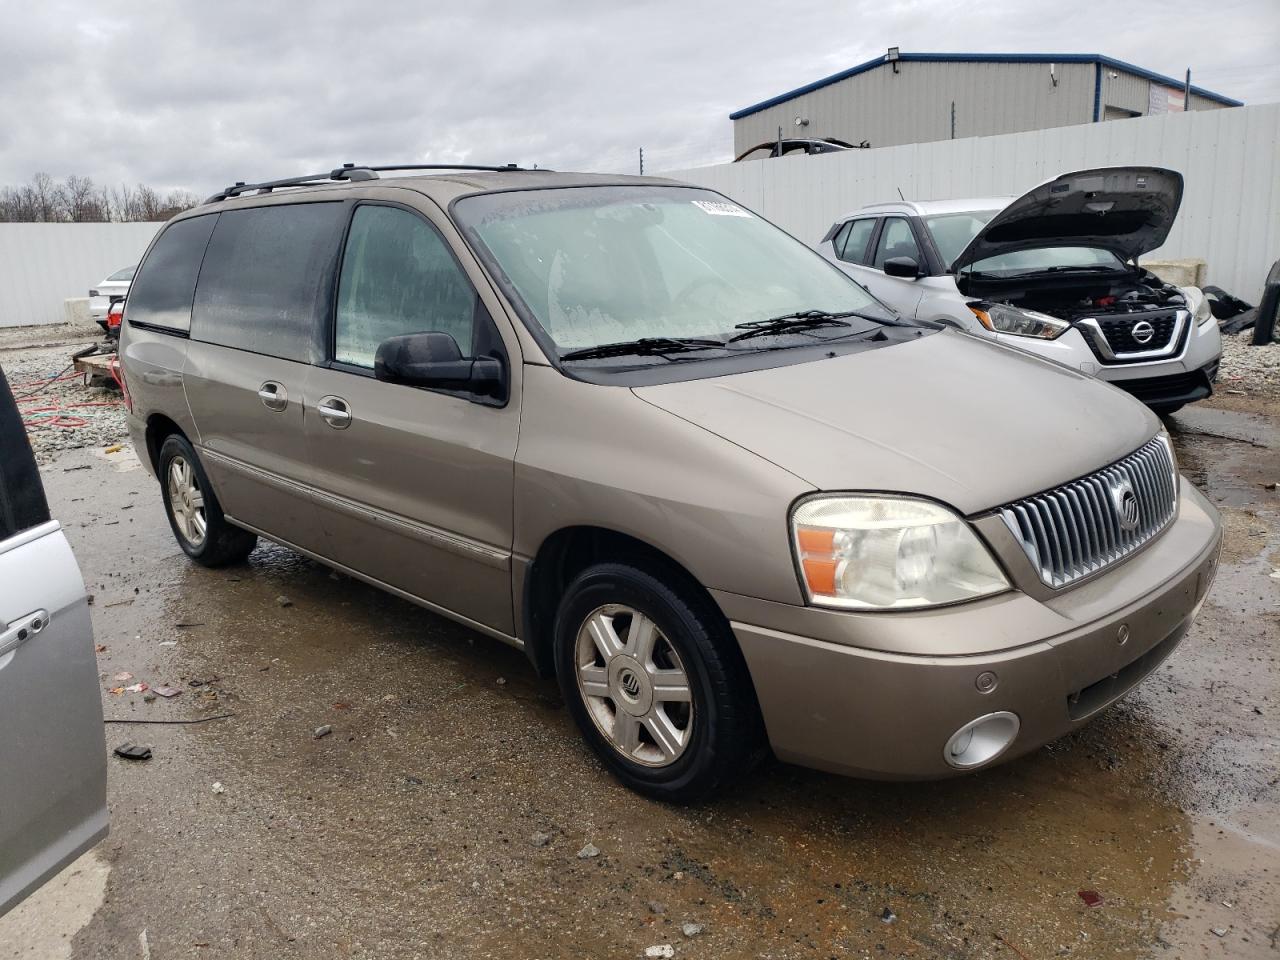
879	695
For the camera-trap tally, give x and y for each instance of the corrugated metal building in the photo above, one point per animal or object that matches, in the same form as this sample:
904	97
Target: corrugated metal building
910	97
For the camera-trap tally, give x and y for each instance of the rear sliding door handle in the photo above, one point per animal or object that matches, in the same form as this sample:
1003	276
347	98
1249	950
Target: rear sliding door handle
273	395
22	630
335	412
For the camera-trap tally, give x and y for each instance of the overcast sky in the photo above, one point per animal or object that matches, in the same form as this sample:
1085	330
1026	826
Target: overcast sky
199	94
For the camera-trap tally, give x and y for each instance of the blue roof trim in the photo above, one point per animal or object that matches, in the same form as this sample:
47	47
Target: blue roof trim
1095	58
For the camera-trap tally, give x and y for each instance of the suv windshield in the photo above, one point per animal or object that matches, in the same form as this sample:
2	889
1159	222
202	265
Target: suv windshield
619	264
952	232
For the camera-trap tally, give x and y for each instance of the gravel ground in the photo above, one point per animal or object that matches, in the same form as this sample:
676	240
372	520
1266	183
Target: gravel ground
62	414
1255	371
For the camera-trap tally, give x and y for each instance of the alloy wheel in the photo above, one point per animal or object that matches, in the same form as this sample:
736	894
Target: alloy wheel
635	685
186	501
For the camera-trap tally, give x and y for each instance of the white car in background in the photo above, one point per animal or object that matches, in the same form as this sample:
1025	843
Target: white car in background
114	287
1054	272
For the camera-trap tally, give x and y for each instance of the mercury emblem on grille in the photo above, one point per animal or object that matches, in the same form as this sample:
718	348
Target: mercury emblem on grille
1126	504
1142	332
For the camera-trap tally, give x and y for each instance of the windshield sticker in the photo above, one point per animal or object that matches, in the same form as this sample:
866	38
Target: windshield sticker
721	208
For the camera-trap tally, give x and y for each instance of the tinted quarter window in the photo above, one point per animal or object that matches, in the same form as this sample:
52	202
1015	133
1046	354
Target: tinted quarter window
896	240
852	244
398	276
266	277
161	294
22	503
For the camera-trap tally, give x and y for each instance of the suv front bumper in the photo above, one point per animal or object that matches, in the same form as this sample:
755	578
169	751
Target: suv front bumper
880	695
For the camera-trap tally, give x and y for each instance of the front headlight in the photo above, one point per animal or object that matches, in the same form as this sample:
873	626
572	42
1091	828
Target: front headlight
883	553
1201	311
1002	318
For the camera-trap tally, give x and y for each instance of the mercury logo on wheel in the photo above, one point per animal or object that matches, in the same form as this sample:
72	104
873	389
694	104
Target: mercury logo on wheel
1142	332
1126	504
630	684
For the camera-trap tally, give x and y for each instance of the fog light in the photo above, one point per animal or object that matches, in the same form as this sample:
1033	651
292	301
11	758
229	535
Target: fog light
981	741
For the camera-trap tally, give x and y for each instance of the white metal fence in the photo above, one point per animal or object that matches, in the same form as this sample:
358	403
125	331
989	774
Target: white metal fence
1230	159
42	265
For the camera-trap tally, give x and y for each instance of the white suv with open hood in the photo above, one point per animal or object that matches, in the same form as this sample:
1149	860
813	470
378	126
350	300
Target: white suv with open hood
1054	272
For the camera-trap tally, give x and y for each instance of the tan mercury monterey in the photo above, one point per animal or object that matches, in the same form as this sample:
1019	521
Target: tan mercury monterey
727	498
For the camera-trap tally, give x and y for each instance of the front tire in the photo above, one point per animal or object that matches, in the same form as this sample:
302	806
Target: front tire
195	516
655	682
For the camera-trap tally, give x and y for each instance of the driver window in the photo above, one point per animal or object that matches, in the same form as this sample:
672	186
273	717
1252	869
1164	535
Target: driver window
398	276
896	240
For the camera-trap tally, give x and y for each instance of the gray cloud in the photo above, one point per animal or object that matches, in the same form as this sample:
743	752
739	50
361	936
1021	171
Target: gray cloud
197	95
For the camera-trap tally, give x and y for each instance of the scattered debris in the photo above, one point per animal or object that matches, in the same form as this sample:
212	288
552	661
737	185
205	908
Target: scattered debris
1218	931
540	839
137	688
123	676
1005	941
589	851
168	643
692	930
1272	486
501	681
166	691
149	697
284	602
887	916
114	448
657	908
131	751
409	781
660	951
121	603
100	648
83	466
323	731
185	626
1091	898
218	787
144	944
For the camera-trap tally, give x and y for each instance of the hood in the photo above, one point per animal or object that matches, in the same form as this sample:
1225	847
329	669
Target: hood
948	416
1127	210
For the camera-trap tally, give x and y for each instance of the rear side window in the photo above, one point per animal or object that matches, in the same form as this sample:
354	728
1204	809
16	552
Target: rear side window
896	240
22	502
266	274
398	276
851	244
162	292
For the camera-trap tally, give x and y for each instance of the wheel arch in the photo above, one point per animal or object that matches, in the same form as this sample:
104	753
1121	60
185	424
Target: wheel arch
159	428
570	550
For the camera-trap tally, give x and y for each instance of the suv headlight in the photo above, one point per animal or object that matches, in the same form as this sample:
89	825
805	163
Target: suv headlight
883	553
1002	318
1201	312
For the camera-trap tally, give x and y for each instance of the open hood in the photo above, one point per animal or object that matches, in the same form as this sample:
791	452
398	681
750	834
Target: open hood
1127	210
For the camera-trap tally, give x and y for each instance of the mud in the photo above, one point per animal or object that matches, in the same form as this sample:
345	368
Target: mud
407	832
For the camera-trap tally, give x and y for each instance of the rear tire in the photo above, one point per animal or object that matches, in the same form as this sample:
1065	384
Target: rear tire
655	682
195	516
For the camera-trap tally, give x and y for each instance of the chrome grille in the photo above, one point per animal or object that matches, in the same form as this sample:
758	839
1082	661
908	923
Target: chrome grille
1081	527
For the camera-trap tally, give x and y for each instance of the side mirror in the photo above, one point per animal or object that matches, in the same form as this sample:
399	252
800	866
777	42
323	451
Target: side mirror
902	267
434	360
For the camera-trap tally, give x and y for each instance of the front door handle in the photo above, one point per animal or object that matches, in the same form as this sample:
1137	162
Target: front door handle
273	395
335	412
21	630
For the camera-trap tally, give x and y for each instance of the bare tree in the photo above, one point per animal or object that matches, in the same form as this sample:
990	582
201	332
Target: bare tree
78	199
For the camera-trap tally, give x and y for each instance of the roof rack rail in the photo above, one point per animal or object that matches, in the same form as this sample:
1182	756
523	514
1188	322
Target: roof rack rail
348	172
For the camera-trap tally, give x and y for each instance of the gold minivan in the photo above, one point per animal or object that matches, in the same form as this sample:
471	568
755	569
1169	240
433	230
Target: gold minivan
689	467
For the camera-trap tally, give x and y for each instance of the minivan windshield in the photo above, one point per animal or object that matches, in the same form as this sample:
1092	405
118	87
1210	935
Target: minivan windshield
619	264
952	232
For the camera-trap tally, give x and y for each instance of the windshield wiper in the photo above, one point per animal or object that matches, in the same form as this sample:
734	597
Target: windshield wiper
643	347
800	320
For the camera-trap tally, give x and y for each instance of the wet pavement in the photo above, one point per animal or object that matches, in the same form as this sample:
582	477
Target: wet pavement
444	813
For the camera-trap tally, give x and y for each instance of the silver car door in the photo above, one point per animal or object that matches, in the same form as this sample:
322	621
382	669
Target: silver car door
53	767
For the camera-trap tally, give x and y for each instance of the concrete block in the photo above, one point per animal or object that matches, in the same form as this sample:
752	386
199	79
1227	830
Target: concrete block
1181	273
75	311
